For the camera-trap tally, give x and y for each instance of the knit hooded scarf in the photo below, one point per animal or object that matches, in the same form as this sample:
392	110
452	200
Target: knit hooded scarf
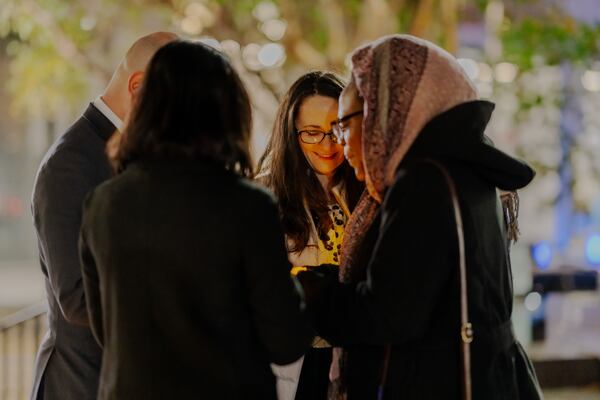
404	82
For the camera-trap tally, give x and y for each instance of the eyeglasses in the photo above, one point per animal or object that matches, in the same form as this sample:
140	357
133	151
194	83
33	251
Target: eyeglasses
338	128
315	136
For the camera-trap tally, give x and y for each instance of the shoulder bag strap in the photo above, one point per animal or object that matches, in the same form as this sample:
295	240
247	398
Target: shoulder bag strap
466	329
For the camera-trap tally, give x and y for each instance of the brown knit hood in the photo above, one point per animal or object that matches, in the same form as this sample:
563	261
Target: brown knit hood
404	82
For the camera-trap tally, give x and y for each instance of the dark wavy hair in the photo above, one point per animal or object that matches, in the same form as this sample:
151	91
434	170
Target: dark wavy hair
192	106
284	168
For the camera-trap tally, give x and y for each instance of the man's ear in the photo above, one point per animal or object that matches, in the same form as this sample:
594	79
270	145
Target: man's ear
135	83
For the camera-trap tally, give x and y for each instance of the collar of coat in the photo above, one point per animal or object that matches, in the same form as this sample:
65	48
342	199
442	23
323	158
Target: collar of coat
459	135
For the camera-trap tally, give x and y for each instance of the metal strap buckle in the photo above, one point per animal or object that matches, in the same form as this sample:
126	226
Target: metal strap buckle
466	332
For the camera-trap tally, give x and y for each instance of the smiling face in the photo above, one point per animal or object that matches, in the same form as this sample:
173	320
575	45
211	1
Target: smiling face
316	113
350	102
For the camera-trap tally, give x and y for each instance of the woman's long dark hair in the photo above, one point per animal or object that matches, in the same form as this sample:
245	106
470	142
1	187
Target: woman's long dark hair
285	170
192	106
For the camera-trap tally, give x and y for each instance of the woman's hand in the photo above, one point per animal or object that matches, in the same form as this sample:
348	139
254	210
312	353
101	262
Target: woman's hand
316	281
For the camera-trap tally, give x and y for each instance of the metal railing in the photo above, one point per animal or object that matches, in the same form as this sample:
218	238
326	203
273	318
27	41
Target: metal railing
22	332
20	336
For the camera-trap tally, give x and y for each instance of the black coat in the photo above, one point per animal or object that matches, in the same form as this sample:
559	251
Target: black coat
407	293
188	285
68	362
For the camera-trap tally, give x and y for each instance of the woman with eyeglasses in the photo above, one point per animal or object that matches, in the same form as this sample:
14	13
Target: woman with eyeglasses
304	166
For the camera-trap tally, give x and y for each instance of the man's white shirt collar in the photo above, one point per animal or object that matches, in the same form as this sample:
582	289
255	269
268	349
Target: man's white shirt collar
108	113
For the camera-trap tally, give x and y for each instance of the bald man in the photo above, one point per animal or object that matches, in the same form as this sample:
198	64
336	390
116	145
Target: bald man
69	358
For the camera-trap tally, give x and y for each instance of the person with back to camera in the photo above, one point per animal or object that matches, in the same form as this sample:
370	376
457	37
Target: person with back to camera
184	262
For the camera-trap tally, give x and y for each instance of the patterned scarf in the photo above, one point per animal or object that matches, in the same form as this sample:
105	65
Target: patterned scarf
404	82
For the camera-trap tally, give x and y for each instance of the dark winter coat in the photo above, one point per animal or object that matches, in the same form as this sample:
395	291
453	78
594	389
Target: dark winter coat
407	292
188	285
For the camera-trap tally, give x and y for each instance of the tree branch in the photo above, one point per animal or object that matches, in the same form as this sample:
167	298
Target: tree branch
304	52
65	47
337	46
422	19
449	24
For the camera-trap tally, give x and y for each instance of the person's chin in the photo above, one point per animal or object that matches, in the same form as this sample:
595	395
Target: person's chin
325	170
326	167
360	174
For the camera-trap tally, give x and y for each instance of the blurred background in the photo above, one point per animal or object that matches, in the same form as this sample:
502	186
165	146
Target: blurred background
538	60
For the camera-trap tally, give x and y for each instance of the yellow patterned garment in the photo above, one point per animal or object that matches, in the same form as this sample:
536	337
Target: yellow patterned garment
330	245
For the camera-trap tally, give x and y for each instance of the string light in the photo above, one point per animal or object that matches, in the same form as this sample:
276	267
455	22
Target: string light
542	254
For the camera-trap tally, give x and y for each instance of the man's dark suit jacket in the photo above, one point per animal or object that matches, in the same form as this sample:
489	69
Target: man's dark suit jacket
69	359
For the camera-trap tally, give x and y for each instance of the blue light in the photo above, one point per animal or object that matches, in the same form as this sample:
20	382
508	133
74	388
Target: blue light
542	254
592	249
